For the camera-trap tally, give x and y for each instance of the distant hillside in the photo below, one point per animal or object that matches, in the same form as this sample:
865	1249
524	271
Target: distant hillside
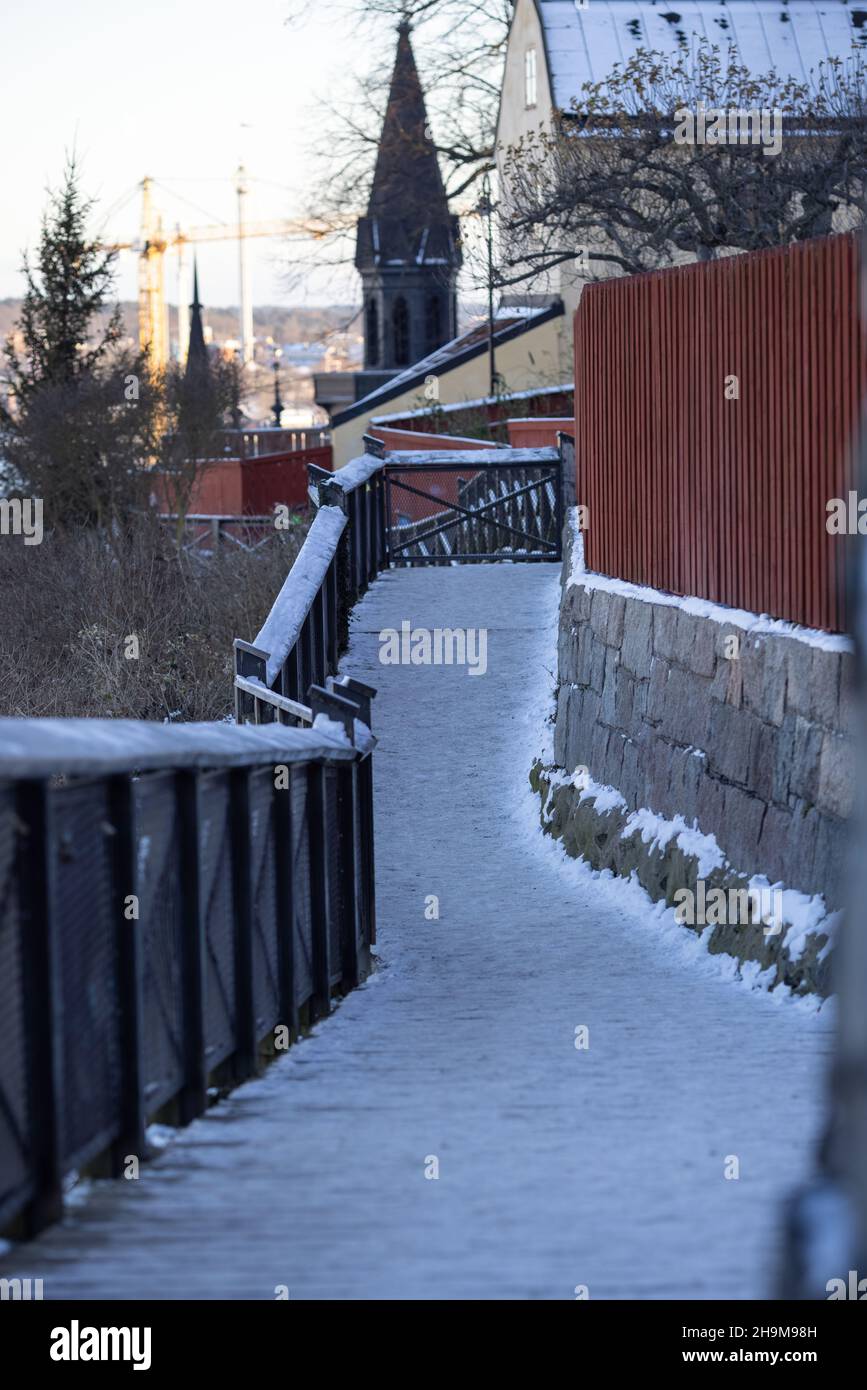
285	324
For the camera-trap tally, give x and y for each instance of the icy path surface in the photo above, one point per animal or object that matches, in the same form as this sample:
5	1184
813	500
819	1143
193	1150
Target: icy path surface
557	1167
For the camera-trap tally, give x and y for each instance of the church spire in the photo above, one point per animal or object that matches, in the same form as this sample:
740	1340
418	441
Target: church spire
407	171
197	353
408	245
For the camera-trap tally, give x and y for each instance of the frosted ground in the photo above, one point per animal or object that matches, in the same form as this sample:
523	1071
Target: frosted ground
557	1167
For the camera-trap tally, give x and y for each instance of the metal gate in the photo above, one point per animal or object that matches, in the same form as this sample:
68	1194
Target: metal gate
449	508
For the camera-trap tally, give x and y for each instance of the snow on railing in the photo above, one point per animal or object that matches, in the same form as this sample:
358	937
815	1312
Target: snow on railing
299	644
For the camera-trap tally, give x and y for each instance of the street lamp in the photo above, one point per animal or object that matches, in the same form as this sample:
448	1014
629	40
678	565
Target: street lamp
486	210
277	407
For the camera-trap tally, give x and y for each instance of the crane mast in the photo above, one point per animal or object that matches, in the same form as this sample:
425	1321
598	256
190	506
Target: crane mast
152	244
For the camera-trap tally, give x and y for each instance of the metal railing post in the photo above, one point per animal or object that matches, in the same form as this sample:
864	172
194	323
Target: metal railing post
41	987
244	1060
284	889
320	891
193	1097
131	1140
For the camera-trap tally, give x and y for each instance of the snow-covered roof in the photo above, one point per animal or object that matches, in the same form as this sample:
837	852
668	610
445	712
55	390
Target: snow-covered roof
792	36
509	324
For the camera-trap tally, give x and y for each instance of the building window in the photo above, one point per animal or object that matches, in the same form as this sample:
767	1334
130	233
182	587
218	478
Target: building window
530	77
371	333
400	328
433	323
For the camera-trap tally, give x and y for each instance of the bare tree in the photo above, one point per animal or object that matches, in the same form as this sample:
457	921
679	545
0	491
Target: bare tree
459	47
622	180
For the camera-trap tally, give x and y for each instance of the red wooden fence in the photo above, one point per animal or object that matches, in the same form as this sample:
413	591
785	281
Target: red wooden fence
697	494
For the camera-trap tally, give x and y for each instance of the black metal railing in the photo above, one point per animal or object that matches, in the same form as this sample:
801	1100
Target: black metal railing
175	901
300	641
500	504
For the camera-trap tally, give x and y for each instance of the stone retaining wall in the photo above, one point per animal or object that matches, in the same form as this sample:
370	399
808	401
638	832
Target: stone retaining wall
756	748
727	725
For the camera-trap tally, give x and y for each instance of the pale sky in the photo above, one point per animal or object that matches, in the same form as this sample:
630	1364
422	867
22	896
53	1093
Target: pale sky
164	89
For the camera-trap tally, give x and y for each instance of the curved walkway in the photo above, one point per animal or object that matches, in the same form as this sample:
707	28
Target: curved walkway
557	1167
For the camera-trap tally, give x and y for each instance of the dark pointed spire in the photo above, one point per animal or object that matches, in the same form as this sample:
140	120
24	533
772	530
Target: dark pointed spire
407	168
197	353
408	217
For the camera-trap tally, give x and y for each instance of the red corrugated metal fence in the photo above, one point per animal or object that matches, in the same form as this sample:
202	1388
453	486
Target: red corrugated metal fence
692	492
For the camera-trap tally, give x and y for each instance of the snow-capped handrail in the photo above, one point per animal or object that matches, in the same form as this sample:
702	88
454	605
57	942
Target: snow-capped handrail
105	747
357	471
477	459
299	643
282	627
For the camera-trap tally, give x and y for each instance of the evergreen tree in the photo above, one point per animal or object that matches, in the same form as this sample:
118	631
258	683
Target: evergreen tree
67	289
81	413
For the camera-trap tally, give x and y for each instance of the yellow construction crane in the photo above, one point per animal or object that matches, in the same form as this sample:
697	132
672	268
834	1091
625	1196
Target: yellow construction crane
153	243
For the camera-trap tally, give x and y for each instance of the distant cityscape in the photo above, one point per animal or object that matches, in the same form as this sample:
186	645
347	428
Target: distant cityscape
300	340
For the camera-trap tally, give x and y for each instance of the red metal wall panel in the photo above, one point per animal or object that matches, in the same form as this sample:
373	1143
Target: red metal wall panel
725	499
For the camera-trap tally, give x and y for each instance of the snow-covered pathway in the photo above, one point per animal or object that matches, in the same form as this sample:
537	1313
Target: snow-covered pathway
558	1167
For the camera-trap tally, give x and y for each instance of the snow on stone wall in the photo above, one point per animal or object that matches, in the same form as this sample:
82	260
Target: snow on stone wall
744	729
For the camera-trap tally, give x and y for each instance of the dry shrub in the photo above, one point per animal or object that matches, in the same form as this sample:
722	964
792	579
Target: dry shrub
68	606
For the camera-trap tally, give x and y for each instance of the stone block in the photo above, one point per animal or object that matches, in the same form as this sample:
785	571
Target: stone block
825	682
799	676
836	786
775	843
743	816
695	643
562	724
638	638
686	707
760	778
598	752
599	613
656	688
597	662
763	667
846	721
582	657
711	804
804	774
727	683
609	687
729	741
784	755
623	702
629	774
665	630
616	614
614	760
801	853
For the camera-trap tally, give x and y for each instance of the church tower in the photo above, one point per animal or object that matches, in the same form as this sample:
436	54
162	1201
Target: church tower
408	248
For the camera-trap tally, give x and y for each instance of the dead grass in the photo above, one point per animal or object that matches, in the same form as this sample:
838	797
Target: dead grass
69	607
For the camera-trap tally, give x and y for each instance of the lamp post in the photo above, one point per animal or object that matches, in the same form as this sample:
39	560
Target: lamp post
486	210
277	407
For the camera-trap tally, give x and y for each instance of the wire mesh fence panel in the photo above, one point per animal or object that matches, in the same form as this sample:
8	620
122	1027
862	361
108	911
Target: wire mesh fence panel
266	967
302	917
336	903
470	515
218	908
86	908
14	1109
159	868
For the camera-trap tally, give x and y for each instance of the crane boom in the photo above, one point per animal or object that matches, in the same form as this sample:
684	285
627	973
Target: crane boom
153	242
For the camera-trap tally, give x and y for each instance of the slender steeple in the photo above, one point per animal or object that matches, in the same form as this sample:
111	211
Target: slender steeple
197	353
408	248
